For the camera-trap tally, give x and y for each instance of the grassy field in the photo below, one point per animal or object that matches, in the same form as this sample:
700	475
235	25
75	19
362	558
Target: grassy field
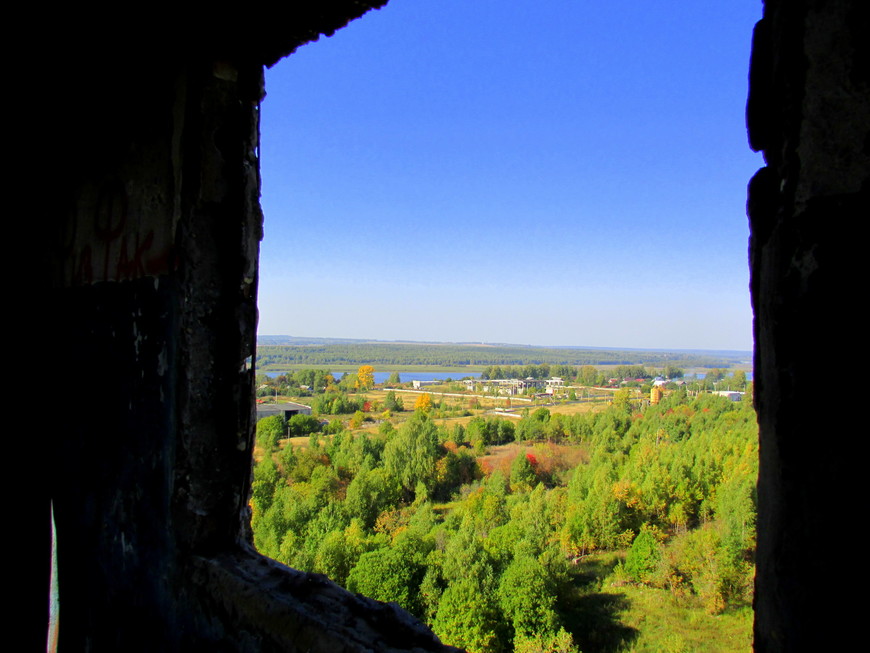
607	616
667	626
487	405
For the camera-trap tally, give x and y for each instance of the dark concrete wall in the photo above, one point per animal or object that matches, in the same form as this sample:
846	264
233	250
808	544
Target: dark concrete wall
809	111
157	285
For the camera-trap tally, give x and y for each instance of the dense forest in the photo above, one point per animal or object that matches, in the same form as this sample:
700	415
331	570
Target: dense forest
283	356
491	531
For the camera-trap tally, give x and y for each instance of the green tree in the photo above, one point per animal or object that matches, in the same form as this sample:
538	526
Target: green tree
357	420
643	556
348	382
526	599
622	400
530	429
393	403
411	454
393	573
370	493
265	481
332	557
302	425
270	430
468	615
714	376
523	475
673	372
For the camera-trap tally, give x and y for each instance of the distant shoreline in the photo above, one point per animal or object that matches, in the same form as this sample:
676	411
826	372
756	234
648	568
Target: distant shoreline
301	341
278	353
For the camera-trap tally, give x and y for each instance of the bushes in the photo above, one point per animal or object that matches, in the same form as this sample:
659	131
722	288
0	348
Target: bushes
695	563
523	475
270	430
337	403
643	556
302	425
393	403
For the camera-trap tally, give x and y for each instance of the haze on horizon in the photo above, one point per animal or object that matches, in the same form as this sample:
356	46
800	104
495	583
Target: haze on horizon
557	174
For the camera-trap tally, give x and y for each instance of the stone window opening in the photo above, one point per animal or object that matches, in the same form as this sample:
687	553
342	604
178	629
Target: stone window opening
144	188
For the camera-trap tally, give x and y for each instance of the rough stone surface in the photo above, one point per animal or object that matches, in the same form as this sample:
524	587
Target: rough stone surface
809	111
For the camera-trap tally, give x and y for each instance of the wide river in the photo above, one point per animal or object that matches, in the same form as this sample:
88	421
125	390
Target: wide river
381	377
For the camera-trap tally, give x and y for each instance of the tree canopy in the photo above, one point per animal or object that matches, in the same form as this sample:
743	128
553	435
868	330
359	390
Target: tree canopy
480	544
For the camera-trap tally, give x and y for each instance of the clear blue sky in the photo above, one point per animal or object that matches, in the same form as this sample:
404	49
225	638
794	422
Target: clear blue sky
561	172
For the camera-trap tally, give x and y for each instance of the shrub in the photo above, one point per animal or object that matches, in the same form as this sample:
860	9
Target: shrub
643	556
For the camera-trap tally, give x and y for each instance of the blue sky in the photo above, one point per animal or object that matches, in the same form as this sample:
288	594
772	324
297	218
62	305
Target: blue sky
548	173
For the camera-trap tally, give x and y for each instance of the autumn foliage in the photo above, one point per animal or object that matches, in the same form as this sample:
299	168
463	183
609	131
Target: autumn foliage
365	377
424	402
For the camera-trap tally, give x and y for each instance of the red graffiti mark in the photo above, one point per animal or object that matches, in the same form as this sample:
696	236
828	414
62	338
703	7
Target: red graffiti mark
83	268
112	247
110	218
132	267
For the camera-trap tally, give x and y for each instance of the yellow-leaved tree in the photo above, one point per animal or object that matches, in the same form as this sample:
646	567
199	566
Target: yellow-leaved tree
365	377
423	403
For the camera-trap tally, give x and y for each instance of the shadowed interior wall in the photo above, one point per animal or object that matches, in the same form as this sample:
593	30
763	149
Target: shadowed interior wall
809	111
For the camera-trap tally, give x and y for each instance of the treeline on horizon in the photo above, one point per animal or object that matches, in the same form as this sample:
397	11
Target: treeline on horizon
454	355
